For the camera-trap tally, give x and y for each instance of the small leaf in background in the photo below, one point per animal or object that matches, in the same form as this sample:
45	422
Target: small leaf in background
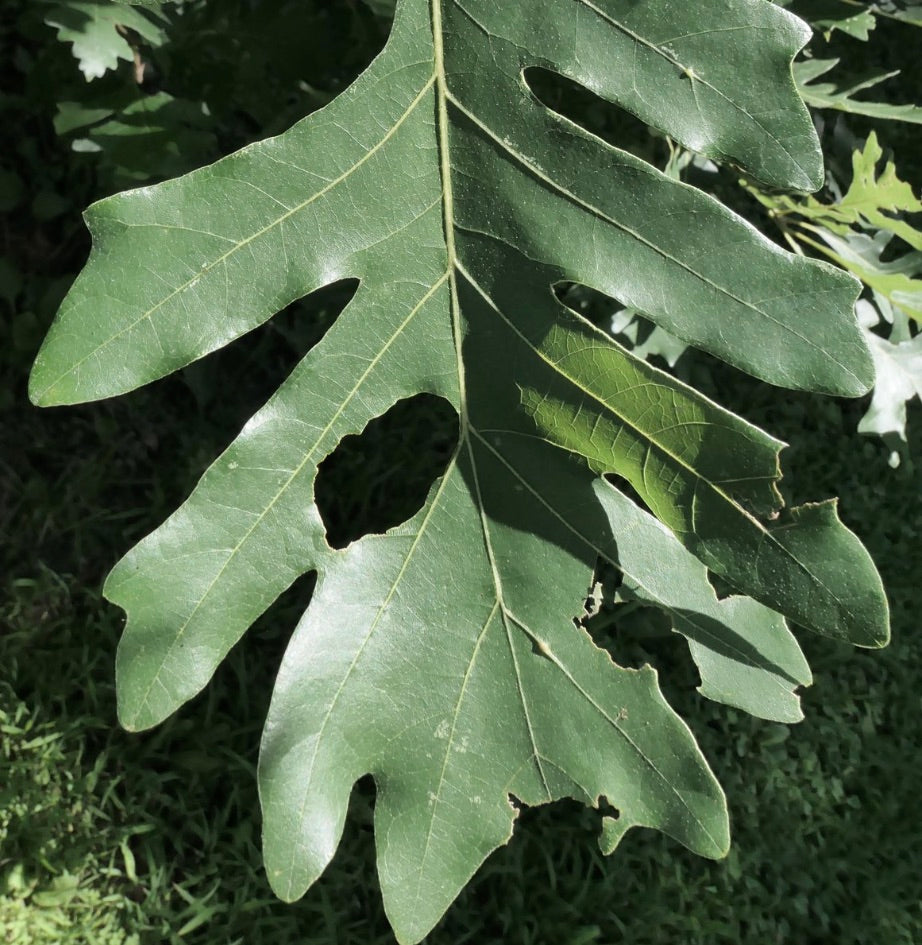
896	280
139	136
830	15
899	378
855	17
874	200
91	26
859	228
831	94
644	339
909	11
863	231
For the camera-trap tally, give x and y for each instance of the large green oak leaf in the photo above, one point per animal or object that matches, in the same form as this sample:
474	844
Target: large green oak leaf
443	657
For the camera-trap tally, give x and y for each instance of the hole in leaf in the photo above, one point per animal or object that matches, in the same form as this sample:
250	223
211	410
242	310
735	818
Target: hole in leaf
625	487
610	122
610	616
592	305
601	594
633	632
379	478
722	587
607	809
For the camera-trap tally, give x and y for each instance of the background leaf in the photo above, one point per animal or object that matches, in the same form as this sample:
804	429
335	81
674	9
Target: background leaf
831	95
92	27
899	377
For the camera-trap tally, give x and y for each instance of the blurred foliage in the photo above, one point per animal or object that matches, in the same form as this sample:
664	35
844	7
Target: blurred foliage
871	229
108	838
101	33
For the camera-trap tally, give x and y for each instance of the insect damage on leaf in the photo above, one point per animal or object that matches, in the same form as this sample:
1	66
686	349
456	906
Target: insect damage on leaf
441	656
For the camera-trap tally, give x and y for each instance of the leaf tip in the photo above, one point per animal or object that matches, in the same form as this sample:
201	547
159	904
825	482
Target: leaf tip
863	376
810	173
135	710
285	891
127	714
879	636
39	387
48	384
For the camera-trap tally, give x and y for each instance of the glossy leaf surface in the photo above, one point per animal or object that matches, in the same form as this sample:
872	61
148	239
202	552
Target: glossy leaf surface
442	657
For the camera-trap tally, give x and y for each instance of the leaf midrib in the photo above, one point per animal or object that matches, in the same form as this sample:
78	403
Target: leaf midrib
443	96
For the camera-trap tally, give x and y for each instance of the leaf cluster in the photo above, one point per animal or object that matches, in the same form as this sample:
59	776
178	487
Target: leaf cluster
870	228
